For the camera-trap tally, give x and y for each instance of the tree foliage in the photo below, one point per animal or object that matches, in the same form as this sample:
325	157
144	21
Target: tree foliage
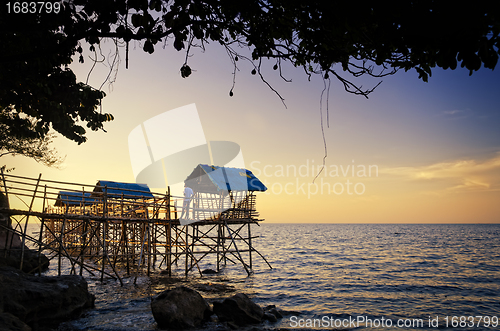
335	39
38	92
321	36
38	149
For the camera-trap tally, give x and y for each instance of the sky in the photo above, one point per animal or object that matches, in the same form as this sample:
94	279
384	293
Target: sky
413	152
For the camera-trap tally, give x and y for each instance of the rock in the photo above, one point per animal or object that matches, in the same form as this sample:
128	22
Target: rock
180	308
43	301
4	203
11	245
239	309
273	311
7	238
232	326
209	272
31	260
12	323
269	317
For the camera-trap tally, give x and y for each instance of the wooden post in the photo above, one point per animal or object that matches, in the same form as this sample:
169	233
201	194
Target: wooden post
23	245
104	230
237	251
141	255
250	245
40	237
219	242
148	228
168	248
84	244
186	248
61	242
168	233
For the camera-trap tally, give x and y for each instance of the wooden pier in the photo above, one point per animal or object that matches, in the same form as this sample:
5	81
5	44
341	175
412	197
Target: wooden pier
114	229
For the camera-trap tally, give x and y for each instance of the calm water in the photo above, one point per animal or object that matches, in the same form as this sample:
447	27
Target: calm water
335	272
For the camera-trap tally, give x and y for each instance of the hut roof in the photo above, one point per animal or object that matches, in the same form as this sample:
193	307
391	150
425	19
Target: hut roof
72	198
125	190
227	179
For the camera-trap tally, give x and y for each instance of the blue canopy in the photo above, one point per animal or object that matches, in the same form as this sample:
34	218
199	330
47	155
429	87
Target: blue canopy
72	198
228	179
125	190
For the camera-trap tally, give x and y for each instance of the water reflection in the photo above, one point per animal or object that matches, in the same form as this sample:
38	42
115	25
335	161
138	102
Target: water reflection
395	271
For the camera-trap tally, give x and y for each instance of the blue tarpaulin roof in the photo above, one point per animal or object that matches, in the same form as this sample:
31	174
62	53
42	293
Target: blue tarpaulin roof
72	198
233	179
125	190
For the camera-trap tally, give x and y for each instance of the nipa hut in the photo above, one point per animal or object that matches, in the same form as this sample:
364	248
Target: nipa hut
124	199
223	192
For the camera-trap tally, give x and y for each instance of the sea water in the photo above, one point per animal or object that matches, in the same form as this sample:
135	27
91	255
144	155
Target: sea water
339	276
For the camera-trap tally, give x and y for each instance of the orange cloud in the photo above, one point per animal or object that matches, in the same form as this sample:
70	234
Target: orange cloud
455	176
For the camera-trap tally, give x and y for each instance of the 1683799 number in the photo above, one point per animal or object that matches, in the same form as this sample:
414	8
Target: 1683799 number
33	7
471	321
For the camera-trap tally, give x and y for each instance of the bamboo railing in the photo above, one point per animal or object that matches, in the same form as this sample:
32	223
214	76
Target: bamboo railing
108	235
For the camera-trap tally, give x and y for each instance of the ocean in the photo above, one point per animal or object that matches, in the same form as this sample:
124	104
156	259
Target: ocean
339	276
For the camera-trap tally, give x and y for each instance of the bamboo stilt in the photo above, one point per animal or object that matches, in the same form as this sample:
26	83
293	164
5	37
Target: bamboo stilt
120	233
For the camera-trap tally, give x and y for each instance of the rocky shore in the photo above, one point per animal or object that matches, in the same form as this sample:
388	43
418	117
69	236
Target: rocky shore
33	302
185	308
29	302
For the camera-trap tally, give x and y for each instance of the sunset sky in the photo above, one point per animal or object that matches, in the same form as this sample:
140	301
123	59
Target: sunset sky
421	152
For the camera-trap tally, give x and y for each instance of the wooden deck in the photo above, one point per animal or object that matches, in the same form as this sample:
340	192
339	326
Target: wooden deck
108	234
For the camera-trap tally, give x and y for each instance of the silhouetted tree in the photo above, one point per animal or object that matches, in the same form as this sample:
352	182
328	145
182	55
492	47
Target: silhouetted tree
335	39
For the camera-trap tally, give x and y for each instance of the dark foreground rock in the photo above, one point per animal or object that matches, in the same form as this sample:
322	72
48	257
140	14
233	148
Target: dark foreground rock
12	250
272	314
32	261
180	308
9	322
42	301
239	309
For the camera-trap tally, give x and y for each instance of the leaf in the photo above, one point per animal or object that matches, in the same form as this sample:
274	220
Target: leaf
136	20
148	47
185	71
178	44
197	32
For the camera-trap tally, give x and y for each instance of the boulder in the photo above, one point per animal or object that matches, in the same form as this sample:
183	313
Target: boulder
9	322
180	308
11	246
272	310
42	301
31	260
239	309
8	239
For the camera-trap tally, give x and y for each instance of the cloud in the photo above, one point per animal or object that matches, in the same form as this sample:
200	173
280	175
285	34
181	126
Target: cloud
470	185
453	112
454	176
